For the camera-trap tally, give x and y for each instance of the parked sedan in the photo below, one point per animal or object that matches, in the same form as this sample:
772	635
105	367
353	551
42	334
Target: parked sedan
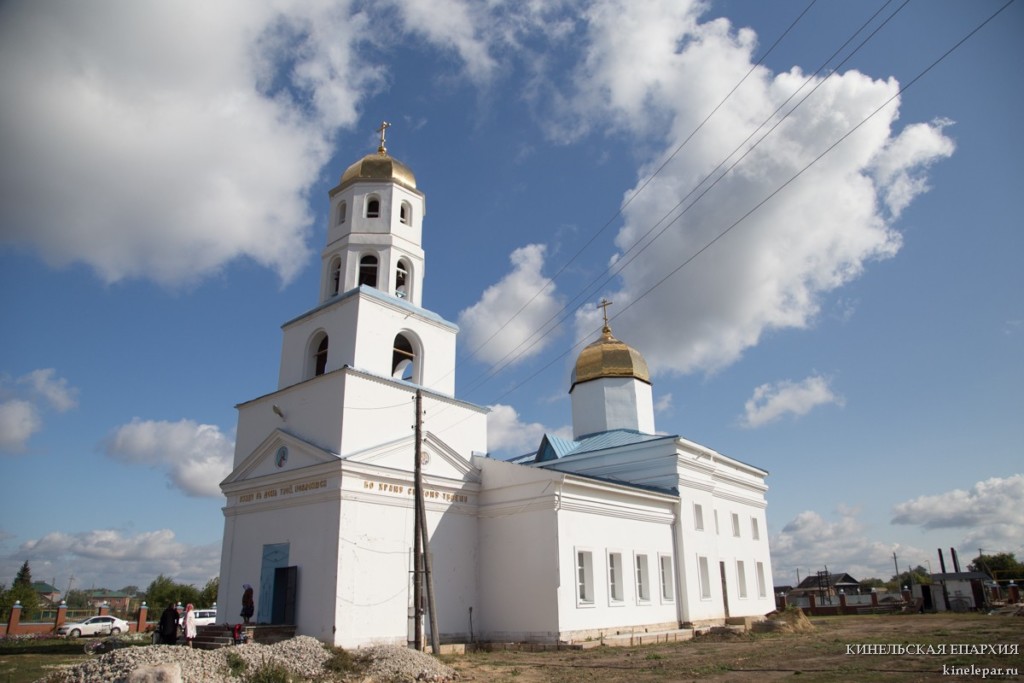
94	626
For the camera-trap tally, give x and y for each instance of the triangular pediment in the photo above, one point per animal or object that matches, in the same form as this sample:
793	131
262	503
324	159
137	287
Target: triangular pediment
439	459
278	453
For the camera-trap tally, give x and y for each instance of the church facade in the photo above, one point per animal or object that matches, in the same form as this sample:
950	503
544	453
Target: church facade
618	529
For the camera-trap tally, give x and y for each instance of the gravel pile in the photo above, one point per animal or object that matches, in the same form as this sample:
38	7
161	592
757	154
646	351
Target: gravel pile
303	656
400	664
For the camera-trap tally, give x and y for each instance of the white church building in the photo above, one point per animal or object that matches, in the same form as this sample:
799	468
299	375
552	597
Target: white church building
619	529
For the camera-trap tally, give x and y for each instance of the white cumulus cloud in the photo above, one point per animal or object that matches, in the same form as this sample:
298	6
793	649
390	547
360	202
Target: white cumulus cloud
507	434
19	420
114	558
991	512
773	401
658	80
23	402
196	457
499	328
809	542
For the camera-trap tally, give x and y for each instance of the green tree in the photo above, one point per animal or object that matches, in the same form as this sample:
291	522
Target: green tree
163	590
76	599
867	584
208	595
1002	566
918	575
21	590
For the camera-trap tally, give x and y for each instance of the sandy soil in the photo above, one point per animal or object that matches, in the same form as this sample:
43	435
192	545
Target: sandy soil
817	654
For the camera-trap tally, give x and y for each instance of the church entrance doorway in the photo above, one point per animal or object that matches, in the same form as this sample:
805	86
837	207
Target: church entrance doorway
275	555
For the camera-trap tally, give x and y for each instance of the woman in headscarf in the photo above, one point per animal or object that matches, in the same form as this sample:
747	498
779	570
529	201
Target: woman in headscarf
168	627
248	606
189	624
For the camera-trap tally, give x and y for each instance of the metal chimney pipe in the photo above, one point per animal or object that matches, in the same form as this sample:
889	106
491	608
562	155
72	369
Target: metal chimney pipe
942	561
956	560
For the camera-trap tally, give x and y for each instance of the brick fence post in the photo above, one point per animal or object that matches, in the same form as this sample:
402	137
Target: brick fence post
874	598
140	622
1014	593
62	615
842	602
15	619
104	609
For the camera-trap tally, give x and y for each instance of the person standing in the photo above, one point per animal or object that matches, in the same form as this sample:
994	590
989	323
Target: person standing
248	605
189	624
168	626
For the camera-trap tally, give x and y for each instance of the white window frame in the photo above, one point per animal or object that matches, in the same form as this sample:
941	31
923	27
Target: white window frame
666	578
755	529
735	525
704	577
698	517
762	587
643	578
584	567
741	579
616	578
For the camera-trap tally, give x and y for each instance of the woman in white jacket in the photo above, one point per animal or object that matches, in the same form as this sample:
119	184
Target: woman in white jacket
189	622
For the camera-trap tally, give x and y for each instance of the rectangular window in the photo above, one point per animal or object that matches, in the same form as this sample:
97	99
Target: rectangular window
735	525
762	589
585	576
704	577
698	517
755	532
665	564
615	577
741	578
643	586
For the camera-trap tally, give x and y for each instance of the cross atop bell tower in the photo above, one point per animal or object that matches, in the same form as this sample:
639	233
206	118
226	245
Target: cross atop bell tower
384	125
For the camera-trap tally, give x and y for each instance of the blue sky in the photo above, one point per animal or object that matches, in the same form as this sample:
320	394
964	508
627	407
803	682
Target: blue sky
859	334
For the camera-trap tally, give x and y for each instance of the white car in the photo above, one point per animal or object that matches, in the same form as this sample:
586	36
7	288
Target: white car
204	617
94	626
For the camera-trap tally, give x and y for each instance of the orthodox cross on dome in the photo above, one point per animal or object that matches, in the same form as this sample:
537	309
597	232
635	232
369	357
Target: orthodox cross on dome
604	310
384	125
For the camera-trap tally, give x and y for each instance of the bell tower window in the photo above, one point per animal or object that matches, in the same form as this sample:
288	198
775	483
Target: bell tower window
403	359
320	355
335	276
373	207
368	270
342	210
402	280
405	213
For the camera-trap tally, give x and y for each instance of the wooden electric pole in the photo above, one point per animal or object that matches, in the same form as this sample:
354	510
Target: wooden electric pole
421	546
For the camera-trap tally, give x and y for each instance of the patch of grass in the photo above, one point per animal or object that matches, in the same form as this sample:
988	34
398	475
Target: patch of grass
341	661
270	672
236	664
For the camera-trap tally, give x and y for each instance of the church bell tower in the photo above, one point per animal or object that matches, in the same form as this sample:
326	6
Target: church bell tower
369	315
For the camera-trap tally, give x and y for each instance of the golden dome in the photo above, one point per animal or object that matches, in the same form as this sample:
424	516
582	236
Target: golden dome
609	357
379	166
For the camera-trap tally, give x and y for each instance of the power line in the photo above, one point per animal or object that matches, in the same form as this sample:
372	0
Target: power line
626	259
771	195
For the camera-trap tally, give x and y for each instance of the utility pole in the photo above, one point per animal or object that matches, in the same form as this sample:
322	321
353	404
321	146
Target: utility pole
422	542
417	548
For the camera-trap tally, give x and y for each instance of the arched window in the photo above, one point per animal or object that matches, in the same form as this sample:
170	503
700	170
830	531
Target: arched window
368	270
403	359
342	210
320	356
335	276
402	279
373	207
405	213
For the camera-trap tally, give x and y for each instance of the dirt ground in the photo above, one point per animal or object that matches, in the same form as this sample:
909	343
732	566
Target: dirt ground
818	654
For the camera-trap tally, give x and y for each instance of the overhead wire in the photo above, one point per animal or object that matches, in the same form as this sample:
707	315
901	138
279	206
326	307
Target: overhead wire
767	198
626	259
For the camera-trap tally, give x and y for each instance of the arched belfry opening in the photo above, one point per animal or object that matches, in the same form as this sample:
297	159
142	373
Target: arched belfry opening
334	284
368	265
318	357
402	279
373	207
403	359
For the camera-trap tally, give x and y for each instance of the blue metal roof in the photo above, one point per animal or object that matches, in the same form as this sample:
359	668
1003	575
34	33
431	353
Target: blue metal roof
555	448
376	294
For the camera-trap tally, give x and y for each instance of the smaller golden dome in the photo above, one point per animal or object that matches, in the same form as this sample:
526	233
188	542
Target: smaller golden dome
609	357
379	166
